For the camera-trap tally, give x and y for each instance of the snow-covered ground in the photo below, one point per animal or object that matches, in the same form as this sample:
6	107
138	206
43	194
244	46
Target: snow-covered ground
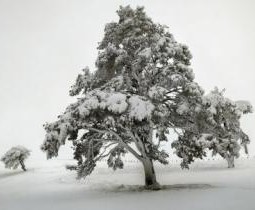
209	185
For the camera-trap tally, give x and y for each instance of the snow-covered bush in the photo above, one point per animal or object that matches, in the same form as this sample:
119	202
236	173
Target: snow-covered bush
16	156
142	87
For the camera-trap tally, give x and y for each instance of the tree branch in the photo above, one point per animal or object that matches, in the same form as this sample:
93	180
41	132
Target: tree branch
130	149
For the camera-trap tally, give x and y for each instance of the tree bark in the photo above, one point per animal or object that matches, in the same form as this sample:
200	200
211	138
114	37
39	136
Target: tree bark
150	176
22	165
231	161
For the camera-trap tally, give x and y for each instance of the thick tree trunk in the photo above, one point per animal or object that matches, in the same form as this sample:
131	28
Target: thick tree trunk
231	161
150	176
22	165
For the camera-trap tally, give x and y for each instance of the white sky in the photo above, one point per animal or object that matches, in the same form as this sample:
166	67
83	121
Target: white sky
45	43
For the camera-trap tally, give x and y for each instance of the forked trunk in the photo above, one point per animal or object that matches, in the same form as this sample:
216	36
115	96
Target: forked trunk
150	176
22	165
231	161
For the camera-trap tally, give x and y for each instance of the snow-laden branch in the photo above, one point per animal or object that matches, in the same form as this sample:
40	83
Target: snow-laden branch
121	141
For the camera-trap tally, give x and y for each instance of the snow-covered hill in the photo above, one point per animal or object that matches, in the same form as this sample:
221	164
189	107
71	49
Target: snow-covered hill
209	185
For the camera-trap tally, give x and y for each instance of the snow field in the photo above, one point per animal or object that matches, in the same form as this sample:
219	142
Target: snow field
47	185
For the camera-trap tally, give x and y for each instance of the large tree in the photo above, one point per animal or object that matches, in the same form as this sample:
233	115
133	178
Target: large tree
142	86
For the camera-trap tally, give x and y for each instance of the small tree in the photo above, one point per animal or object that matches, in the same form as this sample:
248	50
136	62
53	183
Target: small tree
221	132
142	87
15	157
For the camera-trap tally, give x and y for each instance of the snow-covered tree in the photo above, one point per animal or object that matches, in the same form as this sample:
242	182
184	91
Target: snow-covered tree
142	86
16	156
221	132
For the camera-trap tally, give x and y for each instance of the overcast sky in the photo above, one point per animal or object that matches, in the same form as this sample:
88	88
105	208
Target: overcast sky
44	44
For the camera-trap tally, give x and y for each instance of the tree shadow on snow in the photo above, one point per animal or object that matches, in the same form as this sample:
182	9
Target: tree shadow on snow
10	174
140	188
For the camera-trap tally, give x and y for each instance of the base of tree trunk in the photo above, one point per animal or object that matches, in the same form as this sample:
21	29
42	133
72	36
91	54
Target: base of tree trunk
22	165
155	186
231	166
150	177
231	161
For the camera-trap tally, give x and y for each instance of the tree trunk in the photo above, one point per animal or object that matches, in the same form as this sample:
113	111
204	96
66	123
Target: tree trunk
22	165
231	161
150	177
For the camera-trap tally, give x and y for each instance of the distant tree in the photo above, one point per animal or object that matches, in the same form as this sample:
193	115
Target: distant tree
16	156
142	87
221	132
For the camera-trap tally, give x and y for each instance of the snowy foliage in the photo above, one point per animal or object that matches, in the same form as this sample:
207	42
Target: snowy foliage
243	107
15	157
220	132
142	84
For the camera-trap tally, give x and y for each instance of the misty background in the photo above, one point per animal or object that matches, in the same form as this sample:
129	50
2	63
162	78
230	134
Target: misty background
44	44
